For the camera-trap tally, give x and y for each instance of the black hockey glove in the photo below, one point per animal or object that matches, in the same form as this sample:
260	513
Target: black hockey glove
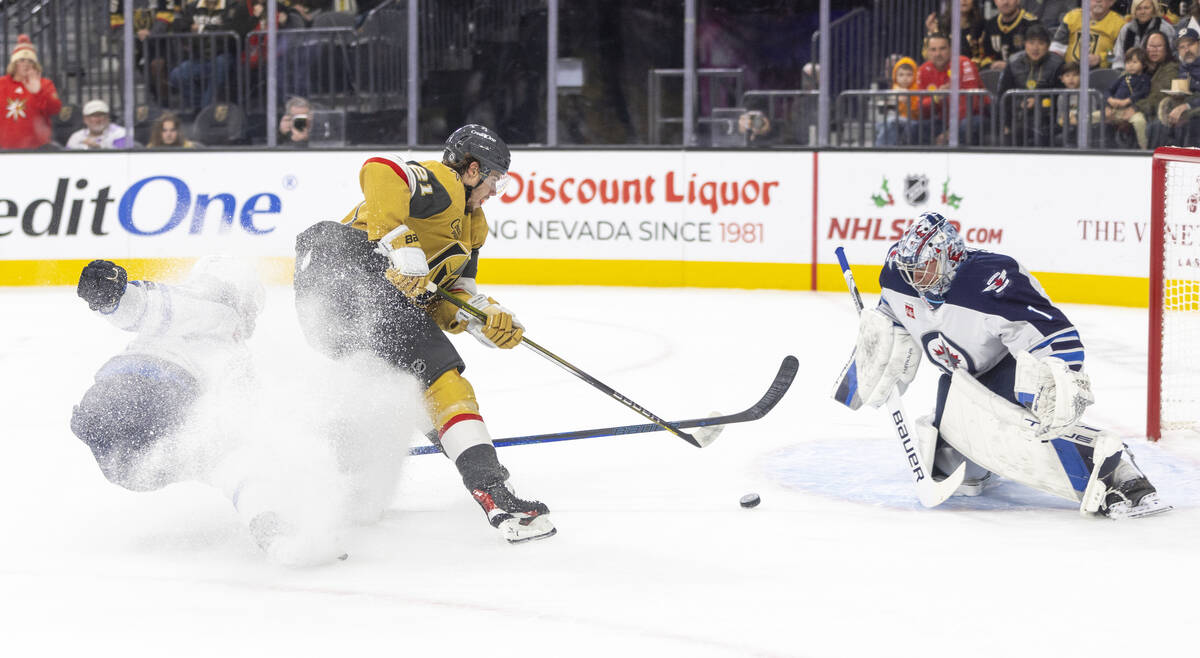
101	284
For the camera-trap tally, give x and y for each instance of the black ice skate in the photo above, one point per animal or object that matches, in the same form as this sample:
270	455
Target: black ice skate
1132	496
1133	499
517	520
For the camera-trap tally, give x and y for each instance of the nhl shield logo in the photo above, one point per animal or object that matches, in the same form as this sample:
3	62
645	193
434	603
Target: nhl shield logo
916	189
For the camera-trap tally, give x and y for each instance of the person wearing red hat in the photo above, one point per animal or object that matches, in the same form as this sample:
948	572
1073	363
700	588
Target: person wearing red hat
29	100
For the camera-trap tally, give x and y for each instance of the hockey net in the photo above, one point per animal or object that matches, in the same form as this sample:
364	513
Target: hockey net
1173	386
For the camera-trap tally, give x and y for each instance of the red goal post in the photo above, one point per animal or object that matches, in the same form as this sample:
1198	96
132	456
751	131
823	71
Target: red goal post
1173	372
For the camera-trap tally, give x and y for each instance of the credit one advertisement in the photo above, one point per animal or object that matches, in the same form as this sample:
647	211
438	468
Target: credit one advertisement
1080	214
619	205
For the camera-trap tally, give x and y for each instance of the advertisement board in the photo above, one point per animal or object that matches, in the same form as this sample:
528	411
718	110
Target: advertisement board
744	218
684	218
1074	220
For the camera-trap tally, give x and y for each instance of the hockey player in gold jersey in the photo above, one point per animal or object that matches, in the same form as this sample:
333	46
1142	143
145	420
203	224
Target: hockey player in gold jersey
361	286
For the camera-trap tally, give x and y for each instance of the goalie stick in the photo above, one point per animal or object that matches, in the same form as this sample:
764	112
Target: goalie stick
704	438
930	492
775	392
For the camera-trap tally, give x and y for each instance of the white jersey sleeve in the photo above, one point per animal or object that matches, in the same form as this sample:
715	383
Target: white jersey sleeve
155	309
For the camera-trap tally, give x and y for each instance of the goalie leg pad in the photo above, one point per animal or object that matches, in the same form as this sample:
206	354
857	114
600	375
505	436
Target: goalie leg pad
999	436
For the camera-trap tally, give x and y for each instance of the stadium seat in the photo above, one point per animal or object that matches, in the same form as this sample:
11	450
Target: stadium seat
67	121
1102	79
220	124
991	80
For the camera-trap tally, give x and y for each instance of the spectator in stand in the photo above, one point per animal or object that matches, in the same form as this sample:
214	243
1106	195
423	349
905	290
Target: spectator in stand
166	133
1033	68
1130	88
152	60
1162	68
302	13
204	76
30	101
98	131
1067	106
934	75
1004	34
294	125
1145	18
901	110
1177	111
1191	17
971	36
1106	25
1049	12
759	129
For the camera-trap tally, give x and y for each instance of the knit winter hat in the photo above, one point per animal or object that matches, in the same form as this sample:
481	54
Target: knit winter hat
23	50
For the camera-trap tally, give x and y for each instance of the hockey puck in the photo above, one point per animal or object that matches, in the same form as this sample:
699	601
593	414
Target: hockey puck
750	500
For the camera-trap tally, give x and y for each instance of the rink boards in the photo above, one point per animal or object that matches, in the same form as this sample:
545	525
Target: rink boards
730	219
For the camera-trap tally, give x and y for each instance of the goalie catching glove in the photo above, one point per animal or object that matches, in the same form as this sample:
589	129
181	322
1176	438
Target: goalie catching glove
500	330
407	269
885	356
1054	393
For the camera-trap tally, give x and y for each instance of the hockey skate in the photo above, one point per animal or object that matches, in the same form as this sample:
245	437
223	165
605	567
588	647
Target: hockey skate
283	545
517	520
1132	496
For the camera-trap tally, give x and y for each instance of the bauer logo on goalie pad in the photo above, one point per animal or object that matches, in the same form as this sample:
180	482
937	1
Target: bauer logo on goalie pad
998	282
946	353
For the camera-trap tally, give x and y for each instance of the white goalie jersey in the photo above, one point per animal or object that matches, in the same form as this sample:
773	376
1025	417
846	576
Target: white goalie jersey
994	307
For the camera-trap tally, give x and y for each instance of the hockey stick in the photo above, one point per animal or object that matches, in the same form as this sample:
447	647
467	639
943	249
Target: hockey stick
779	386
703	438
930	492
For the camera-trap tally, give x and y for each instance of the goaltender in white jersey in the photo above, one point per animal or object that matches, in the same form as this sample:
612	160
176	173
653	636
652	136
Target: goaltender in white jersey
1013	386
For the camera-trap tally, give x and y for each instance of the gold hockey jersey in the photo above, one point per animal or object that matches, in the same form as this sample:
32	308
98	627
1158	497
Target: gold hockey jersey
1101	39
429	199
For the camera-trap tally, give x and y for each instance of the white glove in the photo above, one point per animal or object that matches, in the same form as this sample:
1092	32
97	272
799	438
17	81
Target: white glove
886	356
1054	393
502	329
407	269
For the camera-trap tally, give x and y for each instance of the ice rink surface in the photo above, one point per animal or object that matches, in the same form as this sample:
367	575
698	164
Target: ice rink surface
653	554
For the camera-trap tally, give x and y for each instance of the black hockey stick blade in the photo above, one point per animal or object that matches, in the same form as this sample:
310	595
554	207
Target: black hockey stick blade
775	392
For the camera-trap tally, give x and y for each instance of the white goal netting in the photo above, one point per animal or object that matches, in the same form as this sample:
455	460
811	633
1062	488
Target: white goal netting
1179	366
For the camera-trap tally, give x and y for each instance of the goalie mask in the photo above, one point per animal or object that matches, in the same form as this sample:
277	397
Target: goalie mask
927	256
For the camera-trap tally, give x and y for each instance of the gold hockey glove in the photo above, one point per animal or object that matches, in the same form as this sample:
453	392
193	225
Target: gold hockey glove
501	329
407	268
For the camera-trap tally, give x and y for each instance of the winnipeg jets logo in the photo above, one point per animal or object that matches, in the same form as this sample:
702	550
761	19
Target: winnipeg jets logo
946	354
909	311
997	282
15	109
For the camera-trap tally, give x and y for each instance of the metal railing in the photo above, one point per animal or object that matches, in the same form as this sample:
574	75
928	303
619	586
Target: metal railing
861	42
797	108
70	37
881	119
201	69
1043	118
316	63
724	87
